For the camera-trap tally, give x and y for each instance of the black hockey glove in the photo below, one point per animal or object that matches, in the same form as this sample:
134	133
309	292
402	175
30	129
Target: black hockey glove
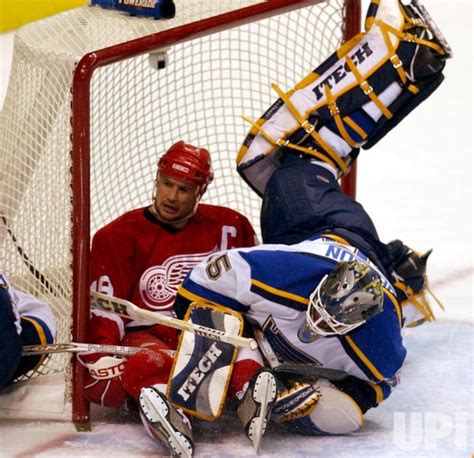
409	269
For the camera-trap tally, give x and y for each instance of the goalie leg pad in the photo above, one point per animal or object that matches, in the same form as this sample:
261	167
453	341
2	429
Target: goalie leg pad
165	423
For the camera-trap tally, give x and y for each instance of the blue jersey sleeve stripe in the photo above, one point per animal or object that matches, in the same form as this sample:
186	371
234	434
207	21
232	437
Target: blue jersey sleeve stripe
195	292
279	296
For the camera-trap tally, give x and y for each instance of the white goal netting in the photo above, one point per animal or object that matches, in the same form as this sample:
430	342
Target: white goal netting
136	113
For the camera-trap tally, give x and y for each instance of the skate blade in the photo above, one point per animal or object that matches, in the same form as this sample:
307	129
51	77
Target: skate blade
155	409
264	393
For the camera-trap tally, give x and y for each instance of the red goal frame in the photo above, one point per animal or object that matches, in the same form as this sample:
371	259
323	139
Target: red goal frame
81	145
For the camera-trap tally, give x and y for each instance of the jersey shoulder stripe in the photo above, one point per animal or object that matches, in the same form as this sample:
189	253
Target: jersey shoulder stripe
285	269
279	296
369	369
396	305
197	293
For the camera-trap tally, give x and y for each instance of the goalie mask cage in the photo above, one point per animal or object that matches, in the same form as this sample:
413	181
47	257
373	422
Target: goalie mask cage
86	117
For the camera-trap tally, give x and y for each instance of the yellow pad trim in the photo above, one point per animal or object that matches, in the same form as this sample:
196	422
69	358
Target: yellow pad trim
281	142
354	126
394	59
405	36
334	112
368	89
310	130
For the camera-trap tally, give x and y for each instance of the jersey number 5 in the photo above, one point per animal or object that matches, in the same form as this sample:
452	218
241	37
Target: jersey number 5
215	267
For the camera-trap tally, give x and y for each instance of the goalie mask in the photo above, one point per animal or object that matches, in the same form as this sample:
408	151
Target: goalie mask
344	300
189	164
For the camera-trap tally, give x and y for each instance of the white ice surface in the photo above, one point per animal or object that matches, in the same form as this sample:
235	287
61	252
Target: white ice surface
428	415
417	185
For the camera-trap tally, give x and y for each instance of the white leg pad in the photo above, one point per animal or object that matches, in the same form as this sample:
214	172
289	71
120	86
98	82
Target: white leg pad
336	412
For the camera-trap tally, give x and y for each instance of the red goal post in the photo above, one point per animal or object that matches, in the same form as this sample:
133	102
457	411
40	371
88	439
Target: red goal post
86	117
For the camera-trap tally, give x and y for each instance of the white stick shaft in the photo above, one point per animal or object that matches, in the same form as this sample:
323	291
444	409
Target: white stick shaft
266	349
129	310
74	347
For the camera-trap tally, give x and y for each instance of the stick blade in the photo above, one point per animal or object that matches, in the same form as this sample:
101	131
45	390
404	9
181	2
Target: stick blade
312	371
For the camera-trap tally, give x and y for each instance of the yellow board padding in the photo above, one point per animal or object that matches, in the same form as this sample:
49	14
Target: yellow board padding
15	13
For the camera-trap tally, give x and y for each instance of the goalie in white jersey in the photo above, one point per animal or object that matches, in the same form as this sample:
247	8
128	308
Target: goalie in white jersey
289	292
24	320
324	290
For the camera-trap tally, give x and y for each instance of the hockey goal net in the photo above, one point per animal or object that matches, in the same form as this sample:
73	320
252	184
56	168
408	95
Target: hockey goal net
86	116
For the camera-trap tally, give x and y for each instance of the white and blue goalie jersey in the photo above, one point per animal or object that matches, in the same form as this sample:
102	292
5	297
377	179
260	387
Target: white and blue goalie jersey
271	286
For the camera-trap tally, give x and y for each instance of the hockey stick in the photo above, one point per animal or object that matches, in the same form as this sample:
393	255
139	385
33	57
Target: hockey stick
41	277
74	347
126	309
312	371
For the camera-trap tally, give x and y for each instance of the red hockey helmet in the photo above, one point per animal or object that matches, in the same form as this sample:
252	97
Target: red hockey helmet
187	163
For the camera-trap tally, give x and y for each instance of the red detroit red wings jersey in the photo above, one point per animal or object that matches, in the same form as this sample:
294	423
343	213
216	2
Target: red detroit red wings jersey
137	258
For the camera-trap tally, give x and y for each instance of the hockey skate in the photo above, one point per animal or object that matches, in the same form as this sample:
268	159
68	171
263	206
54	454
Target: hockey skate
164	422
255	407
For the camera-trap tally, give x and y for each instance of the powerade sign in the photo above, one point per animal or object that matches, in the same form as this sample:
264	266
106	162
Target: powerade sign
157	9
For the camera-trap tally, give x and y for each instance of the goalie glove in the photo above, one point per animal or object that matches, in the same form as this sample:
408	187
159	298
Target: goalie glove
295	402
103	384
411	282
409	268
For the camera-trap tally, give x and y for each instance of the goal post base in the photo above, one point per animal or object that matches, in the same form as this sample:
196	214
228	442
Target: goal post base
86	117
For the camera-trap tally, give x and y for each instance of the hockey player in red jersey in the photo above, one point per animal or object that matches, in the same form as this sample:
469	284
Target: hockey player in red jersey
143	256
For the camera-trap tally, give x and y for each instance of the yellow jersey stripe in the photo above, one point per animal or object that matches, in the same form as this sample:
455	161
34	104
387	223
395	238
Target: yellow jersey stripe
364	358
378	392
281	293
42	337
396	305
195	298
336	238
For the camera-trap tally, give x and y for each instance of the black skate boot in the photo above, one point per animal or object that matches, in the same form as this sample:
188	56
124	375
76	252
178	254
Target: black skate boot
255	407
